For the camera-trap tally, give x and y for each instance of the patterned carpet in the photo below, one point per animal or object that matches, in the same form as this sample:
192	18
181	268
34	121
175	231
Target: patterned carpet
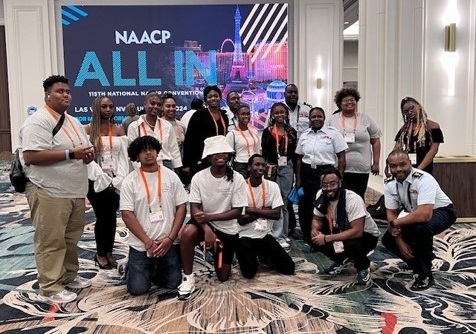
308	302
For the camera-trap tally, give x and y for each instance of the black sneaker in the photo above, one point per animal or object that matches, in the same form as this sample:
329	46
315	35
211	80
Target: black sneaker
422	283
336	268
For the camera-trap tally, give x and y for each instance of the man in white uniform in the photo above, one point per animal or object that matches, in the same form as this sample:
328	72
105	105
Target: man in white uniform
427	211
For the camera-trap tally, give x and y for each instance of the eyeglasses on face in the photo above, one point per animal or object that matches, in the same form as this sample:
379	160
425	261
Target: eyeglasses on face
332	184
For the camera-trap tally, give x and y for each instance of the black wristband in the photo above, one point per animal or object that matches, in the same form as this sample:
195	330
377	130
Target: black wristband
71	155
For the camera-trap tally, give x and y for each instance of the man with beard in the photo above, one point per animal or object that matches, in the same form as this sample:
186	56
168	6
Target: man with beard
342	228
233	99
255	239
427	211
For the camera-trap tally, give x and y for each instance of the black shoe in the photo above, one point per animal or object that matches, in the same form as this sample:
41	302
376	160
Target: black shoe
422	283
106	266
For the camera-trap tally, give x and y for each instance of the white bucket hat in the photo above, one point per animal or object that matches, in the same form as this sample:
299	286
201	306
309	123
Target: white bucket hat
217	144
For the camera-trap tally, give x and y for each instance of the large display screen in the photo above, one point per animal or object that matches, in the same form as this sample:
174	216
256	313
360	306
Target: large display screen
126	51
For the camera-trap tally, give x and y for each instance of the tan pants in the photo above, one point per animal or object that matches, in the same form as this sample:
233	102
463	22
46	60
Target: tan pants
59	223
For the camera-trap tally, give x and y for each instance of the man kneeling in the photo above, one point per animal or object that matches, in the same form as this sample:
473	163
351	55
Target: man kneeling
255	239
342	228
153	206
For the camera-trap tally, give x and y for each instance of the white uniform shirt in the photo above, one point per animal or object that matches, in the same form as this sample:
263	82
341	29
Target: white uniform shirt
358	158
63	179
321	147
164	132
219	195
355	209
299	118
417	189
273	200
134	198
245	143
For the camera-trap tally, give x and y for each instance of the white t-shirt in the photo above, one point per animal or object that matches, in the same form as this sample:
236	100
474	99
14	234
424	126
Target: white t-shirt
355	208
358	157
134	198
321	147
164	132
219	195
64	179
245	143
272	200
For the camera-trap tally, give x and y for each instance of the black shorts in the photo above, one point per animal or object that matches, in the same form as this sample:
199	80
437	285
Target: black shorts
229	241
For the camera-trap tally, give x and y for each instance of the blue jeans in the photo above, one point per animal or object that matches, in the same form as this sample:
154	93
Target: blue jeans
142	271
285	183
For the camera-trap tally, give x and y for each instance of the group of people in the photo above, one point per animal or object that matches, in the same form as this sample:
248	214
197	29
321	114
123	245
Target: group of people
239	179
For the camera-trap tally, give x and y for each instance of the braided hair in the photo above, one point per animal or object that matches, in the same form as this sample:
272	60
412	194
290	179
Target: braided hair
95	127
406	129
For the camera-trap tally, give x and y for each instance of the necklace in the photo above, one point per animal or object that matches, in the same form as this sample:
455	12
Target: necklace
151	126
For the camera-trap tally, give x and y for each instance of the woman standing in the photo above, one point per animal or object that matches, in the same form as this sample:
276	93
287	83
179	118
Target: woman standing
278	144
208	122
169	107
419	136
362	134
319	147
244	140
105	176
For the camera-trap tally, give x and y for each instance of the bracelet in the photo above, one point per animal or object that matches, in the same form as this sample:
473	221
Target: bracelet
149	246
325	239
66	154
170	238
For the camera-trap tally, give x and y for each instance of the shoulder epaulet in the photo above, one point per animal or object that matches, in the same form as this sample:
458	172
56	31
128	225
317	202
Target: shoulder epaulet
417	174
388	179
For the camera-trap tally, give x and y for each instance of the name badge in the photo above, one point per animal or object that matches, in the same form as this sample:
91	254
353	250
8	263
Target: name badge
261	225
282	161
338	247
412	157
156	217
349	137
106	161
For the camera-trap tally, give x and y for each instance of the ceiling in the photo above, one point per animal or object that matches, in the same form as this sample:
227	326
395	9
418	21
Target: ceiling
351	12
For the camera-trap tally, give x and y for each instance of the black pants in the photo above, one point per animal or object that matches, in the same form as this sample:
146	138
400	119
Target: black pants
105	205
357	182
268	251
311	183
420	238
354	249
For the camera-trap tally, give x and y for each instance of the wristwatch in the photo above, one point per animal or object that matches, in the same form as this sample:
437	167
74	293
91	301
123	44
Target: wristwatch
71	155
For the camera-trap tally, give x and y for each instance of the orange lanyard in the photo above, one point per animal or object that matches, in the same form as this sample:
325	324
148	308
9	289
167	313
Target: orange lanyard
329	217
215	121
52	113
146	186
276	137
343	121
247	143
101	146
160	129
263	194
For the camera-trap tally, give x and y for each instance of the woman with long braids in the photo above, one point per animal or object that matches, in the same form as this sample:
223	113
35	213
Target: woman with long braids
105	176
217	198
419	136
278	145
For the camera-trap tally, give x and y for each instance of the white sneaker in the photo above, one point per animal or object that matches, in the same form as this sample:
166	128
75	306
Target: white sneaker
284	245
187	287
62	297
79	283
